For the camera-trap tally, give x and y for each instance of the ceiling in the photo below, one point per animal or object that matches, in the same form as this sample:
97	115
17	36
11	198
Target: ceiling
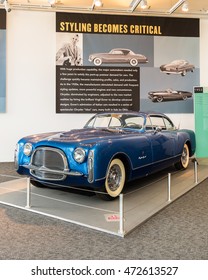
197	8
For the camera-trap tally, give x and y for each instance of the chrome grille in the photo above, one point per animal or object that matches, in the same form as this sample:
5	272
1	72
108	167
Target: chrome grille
48	163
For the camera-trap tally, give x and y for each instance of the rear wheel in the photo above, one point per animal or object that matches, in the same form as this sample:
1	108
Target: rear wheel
133	62
184	161
115	180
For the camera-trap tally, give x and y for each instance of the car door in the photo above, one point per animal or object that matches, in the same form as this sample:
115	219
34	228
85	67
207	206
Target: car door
175	95
163	140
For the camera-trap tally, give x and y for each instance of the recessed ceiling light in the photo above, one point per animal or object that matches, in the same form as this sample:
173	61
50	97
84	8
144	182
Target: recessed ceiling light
51	2
185	7
143	4
98	3
7	6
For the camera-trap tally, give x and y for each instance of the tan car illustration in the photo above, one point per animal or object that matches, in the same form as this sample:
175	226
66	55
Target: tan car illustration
118	56
179	66
169	95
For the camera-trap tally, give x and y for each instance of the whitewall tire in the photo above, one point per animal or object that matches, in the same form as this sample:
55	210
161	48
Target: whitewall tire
184	160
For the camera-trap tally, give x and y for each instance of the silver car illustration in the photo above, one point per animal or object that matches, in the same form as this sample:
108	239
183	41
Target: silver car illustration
118	55
179	66
169	95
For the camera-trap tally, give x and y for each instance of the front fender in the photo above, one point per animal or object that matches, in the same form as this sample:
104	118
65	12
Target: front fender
134	152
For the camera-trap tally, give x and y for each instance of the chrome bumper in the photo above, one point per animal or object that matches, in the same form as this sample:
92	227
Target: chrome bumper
45	169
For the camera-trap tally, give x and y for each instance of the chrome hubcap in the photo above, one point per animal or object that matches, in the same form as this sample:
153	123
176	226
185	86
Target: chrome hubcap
114	177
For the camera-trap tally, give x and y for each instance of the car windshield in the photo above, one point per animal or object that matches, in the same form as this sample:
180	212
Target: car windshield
176	62
110	121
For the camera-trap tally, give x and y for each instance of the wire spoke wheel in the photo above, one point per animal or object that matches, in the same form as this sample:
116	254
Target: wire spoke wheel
115	178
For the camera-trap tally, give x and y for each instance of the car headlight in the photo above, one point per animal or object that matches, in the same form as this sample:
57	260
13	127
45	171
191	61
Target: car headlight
79	155
27	150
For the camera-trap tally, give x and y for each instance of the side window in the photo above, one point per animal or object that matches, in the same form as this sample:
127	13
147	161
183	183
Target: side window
169	125
102	121
157	122
115	122
135	122
148	124
116	52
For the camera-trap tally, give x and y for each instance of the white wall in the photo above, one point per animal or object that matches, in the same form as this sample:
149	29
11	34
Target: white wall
30	81
204	52
31	47
187	121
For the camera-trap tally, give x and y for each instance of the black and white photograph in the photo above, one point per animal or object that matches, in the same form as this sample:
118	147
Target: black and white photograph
69	49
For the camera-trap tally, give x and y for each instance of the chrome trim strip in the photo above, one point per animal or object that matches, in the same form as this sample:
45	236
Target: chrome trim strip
162	160
44	169
16	158
90	166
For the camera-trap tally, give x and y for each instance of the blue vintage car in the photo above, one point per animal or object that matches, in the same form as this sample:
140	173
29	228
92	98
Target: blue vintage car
111	150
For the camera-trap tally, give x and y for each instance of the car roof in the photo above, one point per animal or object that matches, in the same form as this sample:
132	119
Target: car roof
145	114
179	61
121	49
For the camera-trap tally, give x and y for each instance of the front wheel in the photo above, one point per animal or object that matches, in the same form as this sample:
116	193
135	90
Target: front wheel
115	180
184	160
159	99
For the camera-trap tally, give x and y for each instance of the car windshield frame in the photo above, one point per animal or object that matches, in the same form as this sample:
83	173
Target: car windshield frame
116	121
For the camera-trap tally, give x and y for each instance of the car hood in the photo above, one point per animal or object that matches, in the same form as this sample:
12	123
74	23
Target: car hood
84	135
161	92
